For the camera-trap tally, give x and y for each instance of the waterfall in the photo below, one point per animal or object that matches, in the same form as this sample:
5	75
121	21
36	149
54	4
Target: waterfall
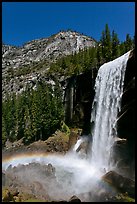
78	143
106	105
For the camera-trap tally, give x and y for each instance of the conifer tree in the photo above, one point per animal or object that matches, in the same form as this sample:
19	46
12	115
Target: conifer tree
20	110
27	126
106	44
4	132
128	43
115	45
99	55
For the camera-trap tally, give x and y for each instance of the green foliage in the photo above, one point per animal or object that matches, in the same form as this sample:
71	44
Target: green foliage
110	46
115	45
76	63
34	200
106	43
4	133
128	43
34	114
107	49
65	128
8	117
124	198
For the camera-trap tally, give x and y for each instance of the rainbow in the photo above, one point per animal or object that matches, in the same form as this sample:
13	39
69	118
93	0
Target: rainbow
91	178
28	157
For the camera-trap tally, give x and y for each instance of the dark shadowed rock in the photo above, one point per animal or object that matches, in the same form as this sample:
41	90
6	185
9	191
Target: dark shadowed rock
120	182
74	199
3	179
126	117
72	139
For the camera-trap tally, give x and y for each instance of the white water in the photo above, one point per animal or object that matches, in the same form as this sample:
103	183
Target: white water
78	143
106	105
73	174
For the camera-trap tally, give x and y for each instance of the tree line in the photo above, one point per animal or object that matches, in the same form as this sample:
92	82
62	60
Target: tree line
108	48
33	115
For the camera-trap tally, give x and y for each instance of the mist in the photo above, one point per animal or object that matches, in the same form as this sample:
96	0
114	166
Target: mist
72	174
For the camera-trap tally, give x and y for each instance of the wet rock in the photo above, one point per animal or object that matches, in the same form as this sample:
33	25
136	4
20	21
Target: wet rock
126	122
74	199
85	145
121	183
123	155
3	179
7	196
50	170
73	139
8	144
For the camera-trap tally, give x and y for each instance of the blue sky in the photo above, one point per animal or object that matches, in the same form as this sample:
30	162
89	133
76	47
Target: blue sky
25	21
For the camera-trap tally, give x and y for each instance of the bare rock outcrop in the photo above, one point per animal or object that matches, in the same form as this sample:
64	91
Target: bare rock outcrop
121	183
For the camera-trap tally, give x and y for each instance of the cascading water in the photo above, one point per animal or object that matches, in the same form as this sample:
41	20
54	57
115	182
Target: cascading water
106	105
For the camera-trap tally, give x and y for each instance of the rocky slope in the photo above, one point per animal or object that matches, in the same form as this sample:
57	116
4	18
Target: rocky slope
25	64
63	43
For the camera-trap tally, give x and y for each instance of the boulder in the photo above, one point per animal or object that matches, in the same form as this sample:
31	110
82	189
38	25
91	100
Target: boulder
50	171
121	183
74	199
7	196
123	155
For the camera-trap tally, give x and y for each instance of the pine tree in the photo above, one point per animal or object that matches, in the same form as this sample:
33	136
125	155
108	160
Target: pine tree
128	43
99	55
115	45
8	116
134	41
106	44
122	48
4	132
27	126
34	115
20	110
63	64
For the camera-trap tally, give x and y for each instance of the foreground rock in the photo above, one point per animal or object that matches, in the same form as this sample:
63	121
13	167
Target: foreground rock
58	142
34	179
121	183
74	199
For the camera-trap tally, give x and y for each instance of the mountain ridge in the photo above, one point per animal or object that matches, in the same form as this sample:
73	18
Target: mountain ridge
45	48
41	38
19	63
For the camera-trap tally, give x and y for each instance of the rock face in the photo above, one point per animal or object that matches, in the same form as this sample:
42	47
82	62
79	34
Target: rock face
123	155
58	142
3	179
25	65
62	43
126	118
78	105
32	179
78	97
126	121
